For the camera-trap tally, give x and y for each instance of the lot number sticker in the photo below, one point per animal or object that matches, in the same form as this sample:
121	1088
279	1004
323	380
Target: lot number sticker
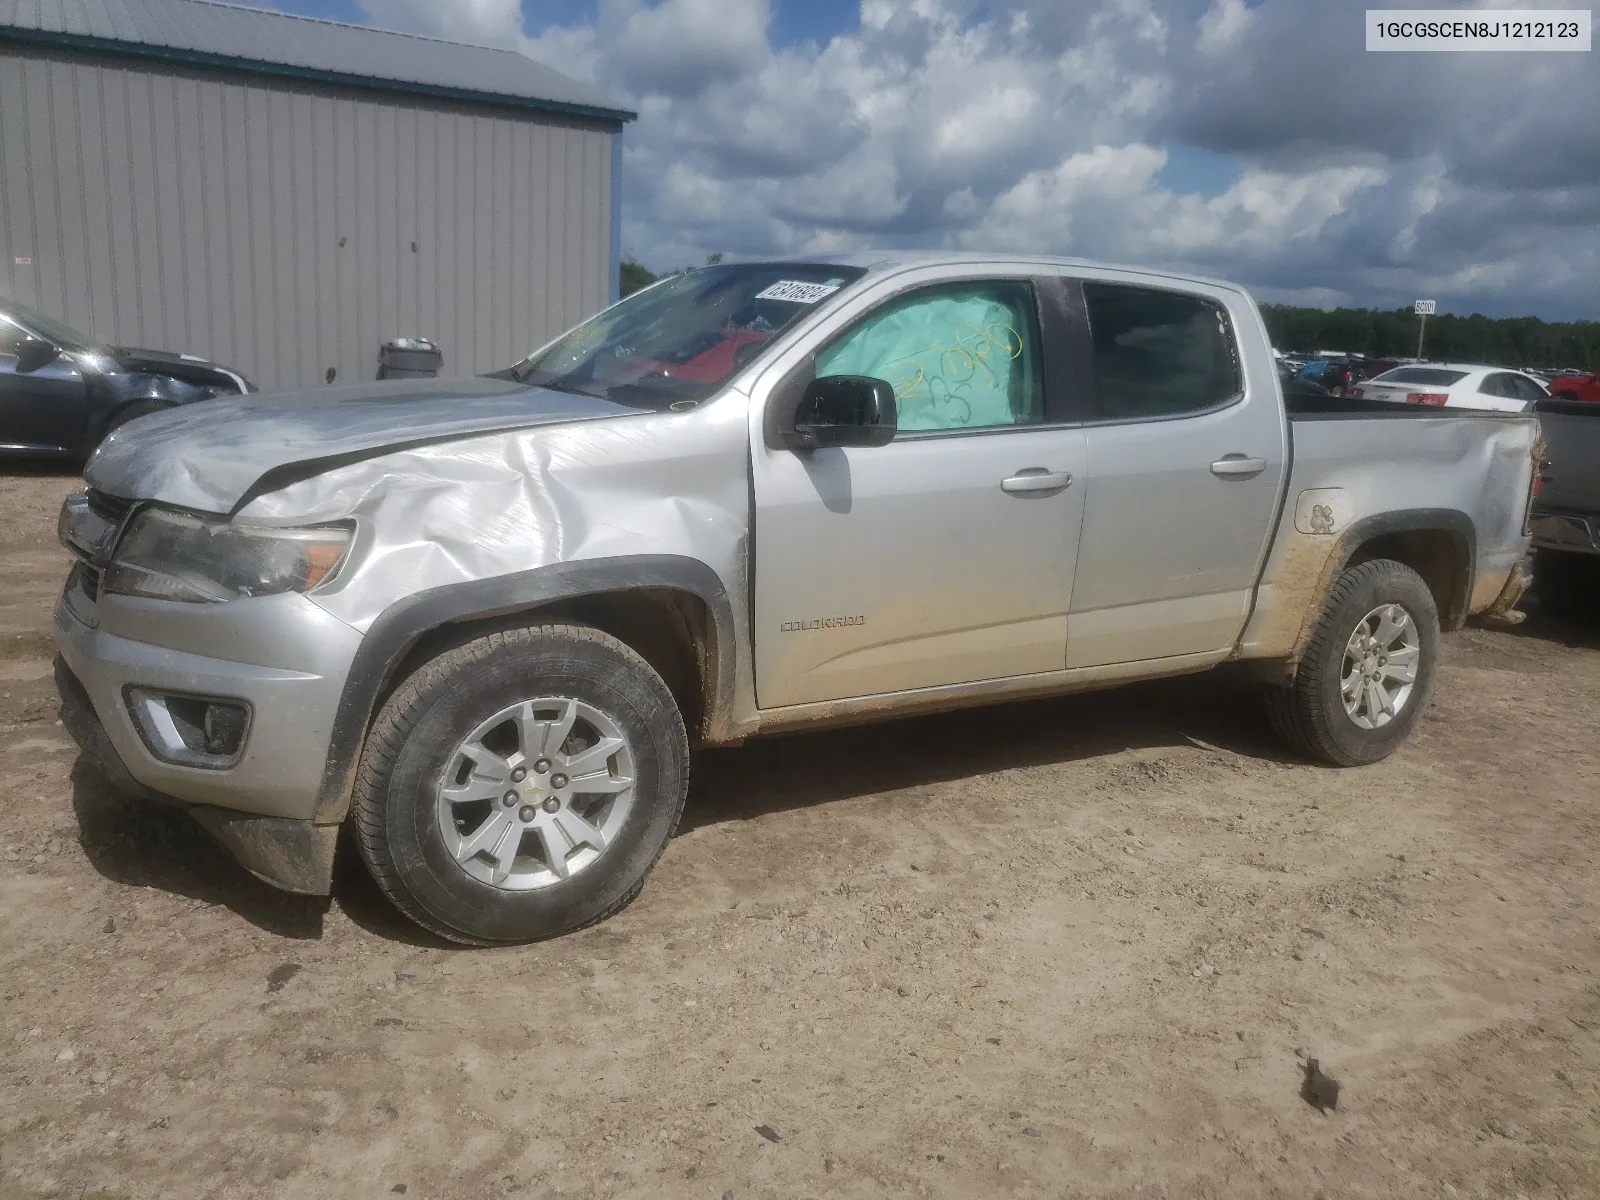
796	292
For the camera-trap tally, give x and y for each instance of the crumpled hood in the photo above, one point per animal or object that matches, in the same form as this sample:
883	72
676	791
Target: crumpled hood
218	455
188	367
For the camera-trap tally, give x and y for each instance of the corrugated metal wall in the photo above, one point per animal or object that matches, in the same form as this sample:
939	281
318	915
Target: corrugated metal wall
283	228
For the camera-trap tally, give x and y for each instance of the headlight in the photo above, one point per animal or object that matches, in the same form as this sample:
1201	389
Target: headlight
178	556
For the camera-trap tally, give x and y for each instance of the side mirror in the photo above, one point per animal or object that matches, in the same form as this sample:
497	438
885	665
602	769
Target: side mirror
845	410
34	353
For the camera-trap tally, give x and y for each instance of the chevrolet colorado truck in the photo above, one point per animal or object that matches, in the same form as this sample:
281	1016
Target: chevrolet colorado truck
483	621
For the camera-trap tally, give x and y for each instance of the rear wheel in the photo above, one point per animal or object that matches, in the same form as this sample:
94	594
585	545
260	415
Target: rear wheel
1567	585
1368	669
522	785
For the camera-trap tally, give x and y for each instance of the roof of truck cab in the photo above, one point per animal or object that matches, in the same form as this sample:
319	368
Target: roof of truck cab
881	261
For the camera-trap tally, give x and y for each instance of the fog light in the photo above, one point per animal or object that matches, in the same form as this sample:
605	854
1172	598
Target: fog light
224	728
192	731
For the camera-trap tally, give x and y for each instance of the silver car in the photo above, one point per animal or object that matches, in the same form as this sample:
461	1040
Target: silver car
485	621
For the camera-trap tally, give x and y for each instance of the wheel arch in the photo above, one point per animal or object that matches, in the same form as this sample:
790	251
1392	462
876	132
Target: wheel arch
670	609
1440	544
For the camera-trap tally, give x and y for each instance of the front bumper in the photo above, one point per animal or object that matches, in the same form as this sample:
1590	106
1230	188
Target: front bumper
171	648
262	804
296	856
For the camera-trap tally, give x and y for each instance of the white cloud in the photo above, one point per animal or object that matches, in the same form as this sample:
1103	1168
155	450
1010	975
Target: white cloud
1043	125
680	47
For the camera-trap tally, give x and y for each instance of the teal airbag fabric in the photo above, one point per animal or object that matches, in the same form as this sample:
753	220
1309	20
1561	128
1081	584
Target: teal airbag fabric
955	358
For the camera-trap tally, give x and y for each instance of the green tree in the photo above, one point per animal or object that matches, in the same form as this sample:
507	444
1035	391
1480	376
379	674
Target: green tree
634	275
1505	341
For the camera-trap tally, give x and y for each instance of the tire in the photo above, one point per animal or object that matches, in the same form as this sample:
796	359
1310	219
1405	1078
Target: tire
1567	585
1311	714
436	739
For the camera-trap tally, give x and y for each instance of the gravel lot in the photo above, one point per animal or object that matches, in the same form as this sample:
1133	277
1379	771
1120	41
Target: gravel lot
1067	948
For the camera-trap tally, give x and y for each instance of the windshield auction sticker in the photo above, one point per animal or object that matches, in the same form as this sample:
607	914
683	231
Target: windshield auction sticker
797	292
1470	29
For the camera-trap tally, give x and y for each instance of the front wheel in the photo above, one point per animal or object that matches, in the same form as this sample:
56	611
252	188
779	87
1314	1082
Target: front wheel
1368	669
522	785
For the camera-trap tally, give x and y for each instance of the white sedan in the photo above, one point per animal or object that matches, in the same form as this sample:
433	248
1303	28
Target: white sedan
1455	385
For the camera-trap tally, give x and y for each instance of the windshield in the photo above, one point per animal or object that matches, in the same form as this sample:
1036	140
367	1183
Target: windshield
59	333
674	344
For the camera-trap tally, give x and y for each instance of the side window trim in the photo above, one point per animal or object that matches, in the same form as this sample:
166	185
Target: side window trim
1091	409
1068	351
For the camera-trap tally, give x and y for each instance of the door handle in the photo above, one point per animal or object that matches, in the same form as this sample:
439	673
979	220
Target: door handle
1036	481
1237	466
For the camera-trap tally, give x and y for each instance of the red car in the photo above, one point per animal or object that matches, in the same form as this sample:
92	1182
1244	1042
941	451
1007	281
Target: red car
1575	387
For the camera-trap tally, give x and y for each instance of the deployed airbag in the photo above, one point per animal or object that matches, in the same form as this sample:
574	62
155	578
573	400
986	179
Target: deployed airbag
954	356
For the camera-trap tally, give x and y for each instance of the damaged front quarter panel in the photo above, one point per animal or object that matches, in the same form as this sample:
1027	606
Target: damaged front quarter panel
510	520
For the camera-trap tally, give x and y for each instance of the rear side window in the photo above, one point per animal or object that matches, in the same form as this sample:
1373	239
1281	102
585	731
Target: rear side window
1528	388
1159	353
1501	385
1433	375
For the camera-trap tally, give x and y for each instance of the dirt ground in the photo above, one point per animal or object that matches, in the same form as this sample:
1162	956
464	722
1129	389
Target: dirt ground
1052	949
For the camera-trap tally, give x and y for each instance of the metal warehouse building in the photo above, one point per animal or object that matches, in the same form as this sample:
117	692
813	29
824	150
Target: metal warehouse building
283	194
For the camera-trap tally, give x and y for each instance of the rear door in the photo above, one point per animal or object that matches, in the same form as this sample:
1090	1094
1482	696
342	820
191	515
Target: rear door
1498	390
1187	460
946	556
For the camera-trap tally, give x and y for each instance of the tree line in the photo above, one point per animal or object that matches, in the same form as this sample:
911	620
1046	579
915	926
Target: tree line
1503	341
635	275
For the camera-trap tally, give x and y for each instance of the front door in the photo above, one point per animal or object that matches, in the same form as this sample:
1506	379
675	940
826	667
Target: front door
40	409
946	556
1185	468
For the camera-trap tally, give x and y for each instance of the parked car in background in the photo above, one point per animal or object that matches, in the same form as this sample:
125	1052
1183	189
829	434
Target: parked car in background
485	619
1455	385
1576	387
1566	510
61	391
1295	384
1336	376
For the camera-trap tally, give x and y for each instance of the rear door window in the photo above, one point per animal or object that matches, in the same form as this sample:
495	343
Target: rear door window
1159	353
1499	385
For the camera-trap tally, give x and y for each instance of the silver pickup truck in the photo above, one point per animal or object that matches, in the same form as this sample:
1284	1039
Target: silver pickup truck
1566	509
485	620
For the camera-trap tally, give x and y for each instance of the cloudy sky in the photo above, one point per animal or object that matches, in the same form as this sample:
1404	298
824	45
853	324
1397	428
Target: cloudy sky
1252	140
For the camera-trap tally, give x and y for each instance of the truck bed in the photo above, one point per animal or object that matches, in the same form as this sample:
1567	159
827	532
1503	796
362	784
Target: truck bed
1467	470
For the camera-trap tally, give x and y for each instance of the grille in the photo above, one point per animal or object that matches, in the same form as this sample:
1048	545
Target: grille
109	508
87	579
